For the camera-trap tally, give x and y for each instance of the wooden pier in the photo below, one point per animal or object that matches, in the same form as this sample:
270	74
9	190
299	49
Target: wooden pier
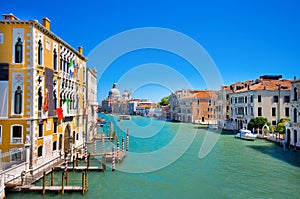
79	168
28	188
118	156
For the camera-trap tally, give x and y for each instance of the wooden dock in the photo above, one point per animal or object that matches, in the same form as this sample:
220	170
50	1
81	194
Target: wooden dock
80	168
28	188
118	156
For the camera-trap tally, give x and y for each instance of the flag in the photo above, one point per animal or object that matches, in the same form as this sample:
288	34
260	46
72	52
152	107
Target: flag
68	104
75	70
46	103
71	68
59	112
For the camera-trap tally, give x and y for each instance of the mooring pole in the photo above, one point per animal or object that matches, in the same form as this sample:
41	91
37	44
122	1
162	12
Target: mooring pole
82	181
52	177
86	180
44	183
62	183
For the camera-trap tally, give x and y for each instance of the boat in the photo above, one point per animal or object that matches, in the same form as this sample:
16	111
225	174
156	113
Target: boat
124	117
101	121
246	135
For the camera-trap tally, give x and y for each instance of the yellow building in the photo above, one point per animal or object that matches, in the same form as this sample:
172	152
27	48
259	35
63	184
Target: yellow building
40	75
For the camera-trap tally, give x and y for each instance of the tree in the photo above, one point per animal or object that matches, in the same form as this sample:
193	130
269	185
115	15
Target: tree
258	122
164	101
280	126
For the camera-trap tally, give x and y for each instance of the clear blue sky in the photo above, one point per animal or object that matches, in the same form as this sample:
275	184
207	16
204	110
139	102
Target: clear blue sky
245	39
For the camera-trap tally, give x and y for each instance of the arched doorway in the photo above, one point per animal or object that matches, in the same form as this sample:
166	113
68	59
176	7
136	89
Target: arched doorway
67	137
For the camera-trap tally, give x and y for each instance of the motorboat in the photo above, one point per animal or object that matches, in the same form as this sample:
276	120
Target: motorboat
246	135
124	117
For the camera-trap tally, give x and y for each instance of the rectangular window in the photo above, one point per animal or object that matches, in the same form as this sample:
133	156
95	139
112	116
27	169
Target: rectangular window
235	100
287	112
275	98
54	147
55	127
0	134
60	142
274	122
240	111
209	102
40	151
240	99
251	98
41	130
16	134
259	111
246	111
259	98
287	99
246	99
251	109
273	111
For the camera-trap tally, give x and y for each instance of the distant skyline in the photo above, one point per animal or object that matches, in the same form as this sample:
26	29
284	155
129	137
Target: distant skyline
245	39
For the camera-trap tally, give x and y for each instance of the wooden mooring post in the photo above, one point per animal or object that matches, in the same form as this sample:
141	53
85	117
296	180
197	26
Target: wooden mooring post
62	183
86	181
44	183
52	177
104	162
83	181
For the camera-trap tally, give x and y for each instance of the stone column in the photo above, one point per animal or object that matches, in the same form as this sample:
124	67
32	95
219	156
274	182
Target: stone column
27	156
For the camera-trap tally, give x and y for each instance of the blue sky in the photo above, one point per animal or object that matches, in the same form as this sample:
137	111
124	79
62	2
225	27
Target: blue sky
245	39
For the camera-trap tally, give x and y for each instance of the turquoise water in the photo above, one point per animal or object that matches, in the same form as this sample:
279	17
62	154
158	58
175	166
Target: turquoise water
233	169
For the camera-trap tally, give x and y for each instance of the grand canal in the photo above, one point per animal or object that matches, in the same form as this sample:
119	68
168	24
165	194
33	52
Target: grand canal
233	169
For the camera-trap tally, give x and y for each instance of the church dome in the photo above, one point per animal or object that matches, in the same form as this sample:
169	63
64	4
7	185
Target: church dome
114	92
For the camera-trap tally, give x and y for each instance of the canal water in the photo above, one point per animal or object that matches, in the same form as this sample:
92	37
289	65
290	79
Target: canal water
164	162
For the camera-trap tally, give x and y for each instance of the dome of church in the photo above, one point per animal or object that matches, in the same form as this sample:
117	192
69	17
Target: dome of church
114	92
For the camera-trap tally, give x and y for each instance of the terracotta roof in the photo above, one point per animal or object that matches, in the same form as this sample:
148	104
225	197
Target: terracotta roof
206	94
268	84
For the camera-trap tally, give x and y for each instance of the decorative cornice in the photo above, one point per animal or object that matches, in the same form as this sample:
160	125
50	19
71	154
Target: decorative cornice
47	32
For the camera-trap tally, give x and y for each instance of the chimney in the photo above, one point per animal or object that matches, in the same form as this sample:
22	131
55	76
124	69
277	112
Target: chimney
80	49
46	23
10	16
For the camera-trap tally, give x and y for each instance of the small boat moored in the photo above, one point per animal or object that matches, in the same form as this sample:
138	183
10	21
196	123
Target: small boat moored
245	135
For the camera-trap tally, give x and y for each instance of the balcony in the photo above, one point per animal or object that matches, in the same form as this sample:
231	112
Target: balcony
42	115
16	140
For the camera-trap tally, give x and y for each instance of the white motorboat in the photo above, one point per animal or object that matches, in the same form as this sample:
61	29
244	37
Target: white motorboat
246	135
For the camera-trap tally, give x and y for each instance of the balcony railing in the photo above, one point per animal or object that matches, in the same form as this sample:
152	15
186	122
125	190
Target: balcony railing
16	140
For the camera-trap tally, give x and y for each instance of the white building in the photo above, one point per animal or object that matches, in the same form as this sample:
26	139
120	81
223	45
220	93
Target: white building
293	131
92	104
268	97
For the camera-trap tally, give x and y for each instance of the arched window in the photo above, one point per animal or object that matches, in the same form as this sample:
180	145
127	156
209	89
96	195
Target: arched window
295	94
40	151
61	63
40	53
295	137
54	59
40	99
18	101
295	115
55	99
18	51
